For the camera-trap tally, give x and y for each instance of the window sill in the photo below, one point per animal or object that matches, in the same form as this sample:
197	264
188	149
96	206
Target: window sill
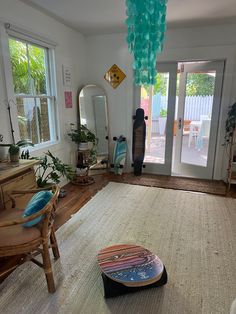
41	146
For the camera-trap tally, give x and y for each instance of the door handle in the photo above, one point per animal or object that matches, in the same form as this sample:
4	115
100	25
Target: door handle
180	123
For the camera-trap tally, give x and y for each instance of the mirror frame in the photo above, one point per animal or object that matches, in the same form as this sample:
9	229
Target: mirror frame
107	115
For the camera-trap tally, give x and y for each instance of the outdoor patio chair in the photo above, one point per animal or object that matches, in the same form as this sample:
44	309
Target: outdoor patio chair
203	133
31	235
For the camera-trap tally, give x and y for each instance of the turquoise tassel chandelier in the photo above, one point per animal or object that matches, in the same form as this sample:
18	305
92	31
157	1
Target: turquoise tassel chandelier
146	23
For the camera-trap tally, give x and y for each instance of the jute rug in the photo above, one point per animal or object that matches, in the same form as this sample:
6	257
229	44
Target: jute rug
194	234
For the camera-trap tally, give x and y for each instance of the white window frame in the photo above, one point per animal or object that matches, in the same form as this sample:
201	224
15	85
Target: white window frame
8	31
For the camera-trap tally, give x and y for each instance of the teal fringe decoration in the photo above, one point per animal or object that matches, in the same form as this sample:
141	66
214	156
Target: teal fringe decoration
146	23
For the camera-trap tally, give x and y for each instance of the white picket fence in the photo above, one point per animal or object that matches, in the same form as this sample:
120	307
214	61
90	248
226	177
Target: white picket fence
195	106
155	126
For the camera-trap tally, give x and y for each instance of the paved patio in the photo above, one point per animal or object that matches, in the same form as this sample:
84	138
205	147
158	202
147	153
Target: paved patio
190	155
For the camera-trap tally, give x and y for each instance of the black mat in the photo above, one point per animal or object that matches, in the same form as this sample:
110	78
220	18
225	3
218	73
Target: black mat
113	288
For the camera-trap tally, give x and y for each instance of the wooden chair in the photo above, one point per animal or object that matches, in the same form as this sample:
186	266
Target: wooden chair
31	241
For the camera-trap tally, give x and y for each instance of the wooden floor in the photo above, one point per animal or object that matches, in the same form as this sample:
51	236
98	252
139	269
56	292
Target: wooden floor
77	196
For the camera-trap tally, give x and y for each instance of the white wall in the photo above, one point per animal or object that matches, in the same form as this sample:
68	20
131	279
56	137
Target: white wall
103	52
70	51
206	43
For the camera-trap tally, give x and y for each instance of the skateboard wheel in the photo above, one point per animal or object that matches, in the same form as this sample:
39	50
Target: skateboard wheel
112	165
146	117
104	161
114	138
121	166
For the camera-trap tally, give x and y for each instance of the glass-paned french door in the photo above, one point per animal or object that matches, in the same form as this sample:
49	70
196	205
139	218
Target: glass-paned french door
158	103
183	110
197	113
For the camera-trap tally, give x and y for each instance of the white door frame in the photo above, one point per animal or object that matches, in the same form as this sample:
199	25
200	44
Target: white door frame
190	170
171	68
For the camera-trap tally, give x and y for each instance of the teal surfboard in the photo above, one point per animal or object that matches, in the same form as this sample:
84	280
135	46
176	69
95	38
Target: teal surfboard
119	156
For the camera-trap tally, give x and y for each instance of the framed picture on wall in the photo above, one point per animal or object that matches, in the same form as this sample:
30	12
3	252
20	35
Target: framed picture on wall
68	99
67	75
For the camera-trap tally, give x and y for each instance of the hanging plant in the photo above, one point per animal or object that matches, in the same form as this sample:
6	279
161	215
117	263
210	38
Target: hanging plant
230	124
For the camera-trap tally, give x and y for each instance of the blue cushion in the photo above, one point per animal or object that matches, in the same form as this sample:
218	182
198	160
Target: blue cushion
37	202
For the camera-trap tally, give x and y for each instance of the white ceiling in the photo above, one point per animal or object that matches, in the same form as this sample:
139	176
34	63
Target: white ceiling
107	16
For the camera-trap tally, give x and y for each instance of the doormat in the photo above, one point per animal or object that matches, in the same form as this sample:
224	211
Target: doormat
177	183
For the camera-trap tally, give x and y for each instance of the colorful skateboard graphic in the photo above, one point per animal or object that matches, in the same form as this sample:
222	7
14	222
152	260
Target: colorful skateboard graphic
131	266
139	136
119	155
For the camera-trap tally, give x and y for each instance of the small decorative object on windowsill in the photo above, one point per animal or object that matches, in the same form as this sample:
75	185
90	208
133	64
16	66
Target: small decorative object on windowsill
146	23
25	154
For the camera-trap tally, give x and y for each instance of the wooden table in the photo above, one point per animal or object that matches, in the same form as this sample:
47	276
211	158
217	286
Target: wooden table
15	177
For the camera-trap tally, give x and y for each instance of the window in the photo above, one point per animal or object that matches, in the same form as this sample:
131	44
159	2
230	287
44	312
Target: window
32	83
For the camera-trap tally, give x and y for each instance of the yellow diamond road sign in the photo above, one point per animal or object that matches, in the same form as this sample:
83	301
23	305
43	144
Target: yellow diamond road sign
114	76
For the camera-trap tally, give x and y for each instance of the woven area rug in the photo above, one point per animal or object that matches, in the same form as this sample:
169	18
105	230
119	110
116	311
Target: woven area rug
194	234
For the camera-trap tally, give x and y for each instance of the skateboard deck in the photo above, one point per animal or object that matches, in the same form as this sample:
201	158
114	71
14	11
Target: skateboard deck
139	137
129	268
119	155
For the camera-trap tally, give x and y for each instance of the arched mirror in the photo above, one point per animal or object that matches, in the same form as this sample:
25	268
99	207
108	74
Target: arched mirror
94	116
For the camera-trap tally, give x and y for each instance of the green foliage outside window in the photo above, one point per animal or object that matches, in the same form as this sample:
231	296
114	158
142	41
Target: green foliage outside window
29	64
28	68
201	84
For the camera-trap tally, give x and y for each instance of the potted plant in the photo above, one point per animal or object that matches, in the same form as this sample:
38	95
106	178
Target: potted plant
83	136
14	149
51	169
230	124
162	121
